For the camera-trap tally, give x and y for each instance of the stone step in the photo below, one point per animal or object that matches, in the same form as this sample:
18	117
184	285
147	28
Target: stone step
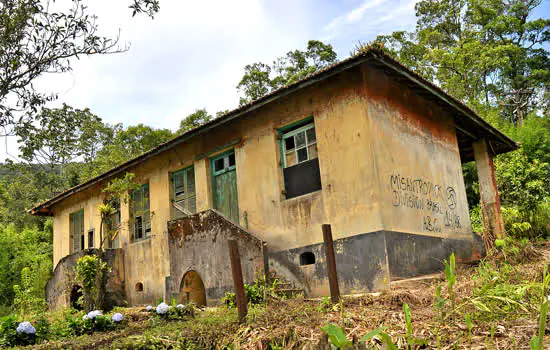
289	292
283	285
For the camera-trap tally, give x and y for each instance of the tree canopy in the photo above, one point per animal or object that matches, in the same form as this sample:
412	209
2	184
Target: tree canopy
260	78
35	40
486	53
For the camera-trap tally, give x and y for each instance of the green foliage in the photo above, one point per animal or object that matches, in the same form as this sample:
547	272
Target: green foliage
30	248
127	144
26	302
408	324
385	337
469	325
483	53
254	293
260	78
336	336
450	276
537	341
522	182
78	324
193	120
35	40
89	271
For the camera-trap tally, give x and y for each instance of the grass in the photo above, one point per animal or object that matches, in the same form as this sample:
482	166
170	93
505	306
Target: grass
496	304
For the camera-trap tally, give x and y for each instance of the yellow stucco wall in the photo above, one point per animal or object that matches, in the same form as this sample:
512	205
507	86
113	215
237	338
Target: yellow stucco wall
363	137
417	157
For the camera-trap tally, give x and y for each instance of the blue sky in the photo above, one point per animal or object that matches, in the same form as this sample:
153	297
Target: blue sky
193	53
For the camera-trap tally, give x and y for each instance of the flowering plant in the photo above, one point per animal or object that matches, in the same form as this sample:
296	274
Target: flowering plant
162	308
26	328
149	308
117	317
93	314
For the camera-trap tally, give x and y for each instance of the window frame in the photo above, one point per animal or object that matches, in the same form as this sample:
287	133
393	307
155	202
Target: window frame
291	130
187	196
72	232
292	133
109	225
145	215
227	167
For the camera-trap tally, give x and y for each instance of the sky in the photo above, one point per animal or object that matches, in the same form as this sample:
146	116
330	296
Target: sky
192	54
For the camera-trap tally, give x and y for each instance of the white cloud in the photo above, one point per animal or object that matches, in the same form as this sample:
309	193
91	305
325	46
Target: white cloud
193	53
367	19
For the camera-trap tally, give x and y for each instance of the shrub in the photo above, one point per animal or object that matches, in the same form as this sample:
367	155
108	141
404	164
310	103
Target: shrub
13	333
254	293
89	271
94	321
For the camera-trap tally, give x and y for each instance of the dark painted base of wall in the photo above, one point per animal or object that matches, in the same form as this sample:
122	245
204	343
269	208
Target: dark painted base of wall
370	261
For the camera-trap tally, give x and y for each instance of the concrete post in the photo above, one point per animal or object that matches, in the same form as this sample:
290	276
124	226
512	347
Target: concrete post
493	225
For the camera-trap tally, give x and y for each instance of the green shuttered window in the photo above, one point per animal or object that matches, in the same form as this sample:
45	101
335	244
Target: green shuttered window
76	222
140	213
183	193
112	225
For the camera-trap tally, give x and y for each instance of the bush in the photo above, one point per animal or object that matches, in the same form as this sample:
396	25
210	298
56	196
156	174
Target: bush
84	324
13	332
254	294
89	271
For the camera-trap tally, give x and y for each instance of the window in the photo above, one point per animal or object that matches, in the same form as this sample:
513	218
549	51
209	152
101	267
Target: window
140	214
139	287
183	193
90	238
300	163
112	225
76	229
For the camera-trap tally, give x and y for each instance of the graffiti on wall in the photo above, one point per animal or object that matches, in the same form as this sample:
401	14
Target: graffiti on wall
436	203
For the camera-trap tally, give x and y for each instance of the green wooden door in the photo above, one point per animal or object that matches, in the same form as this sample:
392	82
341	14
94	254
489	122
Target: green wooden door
224	183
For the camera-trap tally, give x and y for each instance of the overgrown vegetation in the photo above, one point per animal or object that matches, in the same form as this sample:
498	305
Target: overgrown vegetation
500	303
491	55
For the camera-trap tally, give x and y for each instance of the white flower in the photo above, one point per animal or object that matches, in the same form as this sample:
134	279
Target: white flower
85	317
548	298
26	327
93	314
149	308
180	306
117	317
162	308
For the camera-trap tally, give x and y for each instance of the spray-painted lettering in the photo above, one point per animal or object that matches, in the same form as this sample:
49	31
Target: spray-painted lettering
423	195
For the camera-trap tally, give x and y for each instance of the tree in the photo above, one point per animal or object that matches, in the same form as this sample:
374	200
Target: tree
257	80
35	40
61	135
127	144
58	140
193	120
486	53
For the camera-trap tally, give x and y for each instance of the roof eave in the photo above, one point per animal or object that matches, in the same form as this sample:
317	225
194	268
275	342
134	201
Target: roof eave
285	91
485	126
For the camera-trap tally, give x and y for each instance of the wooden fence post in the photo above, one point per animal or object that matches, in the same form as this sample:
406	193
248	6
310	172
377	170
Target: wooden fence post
237	273
331	262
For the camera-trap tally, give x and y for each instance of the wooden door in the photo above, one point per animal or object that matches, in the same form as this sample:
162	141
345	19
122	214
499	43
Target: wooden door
224	185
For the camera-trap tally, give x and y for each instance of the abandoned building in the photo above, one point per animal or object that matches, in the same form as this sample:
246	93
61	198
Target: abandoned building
365	145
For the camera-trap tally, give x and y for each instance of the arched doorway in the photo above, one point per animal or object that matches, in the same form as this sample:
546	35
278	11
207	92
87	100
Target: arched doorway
76	294
192	289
